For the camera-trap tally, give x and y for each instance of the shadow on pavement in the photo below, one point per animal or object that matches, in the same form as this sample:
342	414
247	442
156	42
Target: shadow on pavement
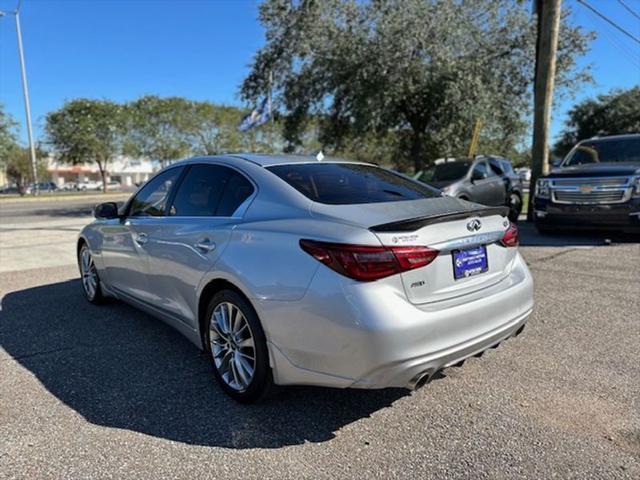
121	368
530	237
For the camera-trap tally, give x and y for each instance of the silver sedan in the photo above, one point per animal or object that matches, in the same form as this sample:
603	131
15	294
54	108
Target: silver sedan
289	270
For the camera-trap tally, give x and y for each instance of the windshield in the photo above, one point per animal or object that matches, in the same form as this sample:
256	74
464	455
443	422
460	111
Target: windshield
445	172
605	151
350	183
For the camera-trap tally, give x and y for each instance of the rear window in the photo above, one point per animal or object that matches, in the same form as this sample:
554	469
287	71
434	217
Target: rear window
445	172
348	183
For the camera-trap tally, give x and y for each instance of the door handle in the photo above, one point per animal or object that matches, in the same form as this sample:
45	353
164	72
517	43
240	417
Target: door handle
141	239
205	245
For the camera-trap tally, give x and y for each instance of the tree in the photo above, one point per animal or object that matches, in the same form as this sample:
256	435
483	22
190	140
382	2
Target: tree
8	137
20	170
614	113
420	70
213	129
85	130
157	127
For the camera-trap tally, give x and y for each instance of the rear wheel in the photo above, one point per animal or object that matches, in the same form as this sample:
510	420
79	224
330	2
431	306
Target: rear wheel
237	348
89	276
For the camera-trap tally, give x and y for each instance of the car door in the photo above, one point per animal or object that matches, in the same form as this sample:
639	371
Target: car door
123	249
189	241
499	168
482	185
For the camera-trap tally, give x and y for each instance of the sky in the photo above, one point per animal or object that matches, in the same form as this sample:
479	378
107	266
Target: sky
202	49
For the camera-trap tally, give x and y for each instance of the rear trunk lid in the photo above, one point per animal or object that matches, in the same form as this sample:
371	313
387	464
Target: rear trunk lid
467	236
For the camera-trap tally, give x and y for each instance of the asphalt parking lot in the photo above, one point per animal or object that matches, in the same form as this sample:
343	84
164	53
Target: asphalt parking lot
109	392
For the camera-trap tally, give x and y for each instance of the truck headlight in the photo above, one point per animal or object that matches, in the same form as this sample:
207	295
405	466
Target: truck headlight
635	181
543	188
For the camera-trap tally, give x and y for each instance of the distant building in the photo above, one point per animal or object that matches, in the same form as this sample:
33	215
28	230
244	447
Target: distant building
125	170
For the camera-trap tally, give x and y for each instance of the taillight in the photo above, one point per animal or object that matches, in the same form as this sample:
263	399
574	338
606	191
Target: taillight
366	263
511	237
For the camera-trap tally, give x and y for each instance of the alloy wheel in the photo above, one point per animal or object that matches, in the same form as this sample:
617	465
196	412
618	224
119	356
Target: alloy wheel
89	273
232	346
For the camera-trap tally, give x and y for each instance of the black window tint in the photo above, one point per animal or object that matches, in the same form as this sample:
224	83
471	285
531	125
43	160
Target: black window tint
444	172
237	191
200	192
496	166
348	183
151	200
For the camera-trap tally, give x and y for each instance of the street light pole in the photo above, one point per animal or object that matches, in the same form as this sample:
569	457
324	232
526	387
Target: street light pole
27	106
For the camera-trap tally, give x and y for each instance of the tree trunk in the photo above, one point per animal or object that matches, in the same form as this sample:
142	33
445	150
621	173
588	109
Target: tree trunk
417	149
103	176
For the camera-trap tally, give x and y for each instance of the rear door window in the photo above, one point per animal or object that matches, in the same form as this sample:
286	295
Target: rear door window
210	190
350	183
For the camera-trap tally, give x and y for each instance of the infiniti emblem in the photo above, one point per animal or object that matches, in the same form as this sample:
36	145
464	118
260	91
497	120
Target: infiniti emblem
474	225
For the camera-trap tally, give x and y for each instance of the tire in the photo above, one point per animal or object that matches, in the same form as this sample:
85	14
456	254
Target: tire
240	360
515	207
89	278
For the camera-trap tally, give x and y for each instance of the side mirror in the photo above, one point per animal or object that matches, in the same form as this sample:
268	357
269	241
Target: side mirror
106	211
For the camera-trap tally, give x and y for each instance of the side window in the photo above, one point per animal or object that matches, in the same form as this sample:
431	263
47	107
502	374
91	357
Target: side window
151	200
507	167
238	189
210	190
496	166
200	192
480	171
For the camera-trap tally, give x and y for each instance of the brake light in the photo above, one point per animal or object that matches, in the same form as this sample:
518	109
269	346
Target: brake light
366	263
511	237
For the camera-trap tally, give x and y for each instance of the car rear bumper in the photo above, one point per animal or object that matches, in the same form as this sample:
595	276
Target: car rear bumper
622	216
369	336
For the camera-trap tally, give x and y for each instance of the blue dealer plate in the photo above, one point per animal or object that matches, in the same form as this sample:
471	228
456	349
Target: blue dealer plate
469	262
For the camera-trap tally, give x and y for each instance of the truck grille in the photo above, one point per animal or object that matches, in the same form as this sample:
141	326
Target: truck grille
591	190
594	182
593	197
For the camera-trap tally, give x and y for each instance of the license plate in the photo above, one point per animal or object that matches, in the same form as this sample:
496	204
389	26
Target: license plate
469	262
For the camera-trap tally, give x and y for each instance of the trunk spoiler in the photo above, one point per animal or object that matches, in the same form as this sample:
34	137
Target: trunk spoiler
413	224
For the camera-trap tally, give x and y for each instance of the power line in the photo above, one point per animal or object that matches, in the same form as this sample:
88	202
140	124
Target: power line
607	19
629	9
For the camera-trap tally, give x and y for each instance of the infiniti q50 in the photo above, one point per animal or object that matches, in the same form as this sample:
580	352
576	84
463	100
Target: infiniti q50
289	270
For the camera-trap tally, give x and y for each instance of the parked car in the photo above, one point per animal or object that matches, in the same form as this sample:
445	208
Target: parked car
113	185
43	187
69	187
89	185
596	186
287	270
485	180
525	176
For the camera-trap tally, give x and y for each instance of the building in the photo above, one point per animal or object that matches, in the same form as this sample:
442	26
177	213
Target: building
127	171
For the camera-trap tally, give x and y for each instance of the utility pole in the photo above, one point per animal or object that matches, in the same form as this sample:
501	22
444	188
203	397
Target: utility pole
548	16
25	90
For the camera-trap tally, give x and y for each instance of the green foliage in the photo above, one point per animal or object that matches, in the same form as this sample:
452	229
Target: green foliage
85	130
614	113
415	72
20	170
8	137
157	127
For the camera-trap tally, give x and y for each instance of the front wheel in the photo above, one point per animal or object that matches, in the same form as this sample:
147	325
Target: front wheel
237	347
89	276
